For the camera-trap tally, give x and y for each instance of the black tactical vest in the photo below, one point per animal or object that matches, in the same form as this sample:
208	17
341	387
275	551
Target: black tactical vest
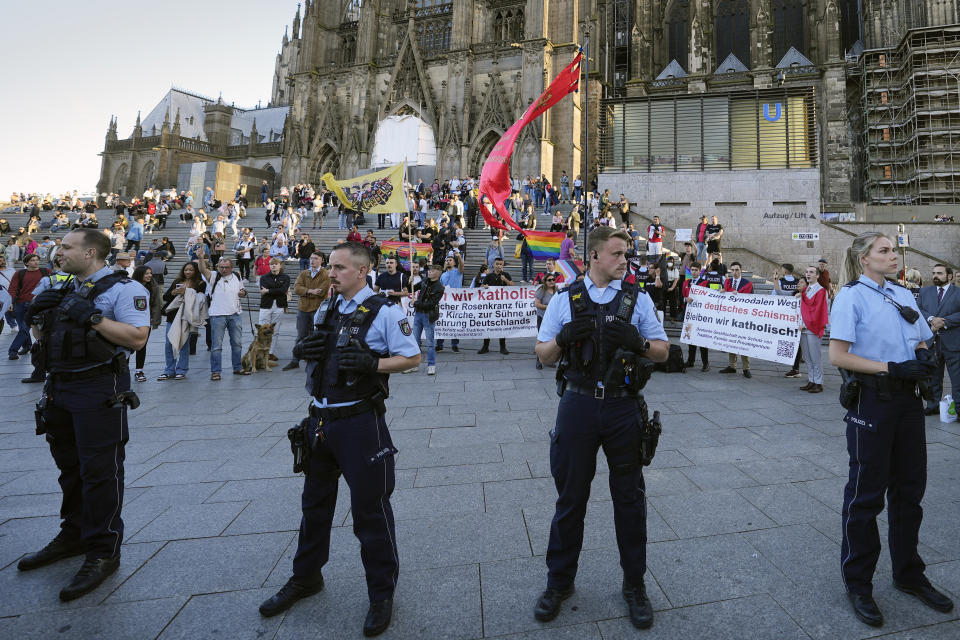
71	347
326	379
586	366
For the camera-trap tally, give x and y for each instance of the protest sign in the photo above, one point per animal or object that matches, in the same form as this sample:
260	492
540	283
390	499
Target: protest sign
683	235
497	312
758	326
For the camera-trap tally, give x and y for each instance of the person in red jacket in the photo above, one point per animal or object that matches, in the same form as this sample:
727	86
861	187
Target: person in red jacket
21	294
700	238
736	281
696	279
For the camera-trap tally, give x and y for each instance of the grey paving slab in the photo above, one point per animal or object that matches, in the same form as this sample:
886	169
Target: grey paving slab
470	436
223	615
190	521
464	474
186	567
710	512
463	539
429	501
751	618
27	506
725	453
700	570
584	631
412	458
786	503
123	621
722	475
783	470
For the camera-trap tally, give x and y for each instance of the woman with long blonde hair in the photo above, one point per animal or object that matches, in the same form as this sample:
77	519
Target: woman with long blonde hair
879	341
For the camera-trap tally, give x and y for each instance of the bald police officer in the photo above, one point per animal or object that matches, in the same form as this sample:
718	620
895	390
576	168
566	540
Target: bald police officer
89	329
582	326
359	338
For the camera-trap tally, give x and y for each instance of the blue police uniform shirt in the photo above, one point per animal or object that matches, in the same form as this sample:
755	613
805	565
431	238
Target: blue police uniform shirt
558	312
384	334
127	302
872	324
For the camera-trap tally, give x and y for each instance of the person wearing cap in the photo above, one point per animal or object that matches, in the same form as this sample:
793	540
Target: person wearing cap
427	310
124	262
823	279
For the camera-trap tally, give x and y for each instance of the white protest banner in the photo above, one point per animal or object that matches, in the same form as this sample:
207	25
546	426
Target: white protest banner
683	235
758	326
496	312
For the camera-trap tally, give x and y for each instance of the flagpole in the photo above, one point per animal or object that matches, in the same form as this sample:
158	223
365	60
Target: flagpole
586	27
406	199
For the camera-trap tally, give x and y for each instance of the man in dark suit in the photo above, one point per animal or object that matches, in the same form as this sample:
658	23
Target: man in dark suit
940	306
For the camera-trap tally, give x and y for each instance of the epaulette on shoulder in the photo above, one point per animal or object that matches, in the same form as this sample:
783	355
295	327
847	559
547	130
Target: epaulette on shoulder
895	283
851	283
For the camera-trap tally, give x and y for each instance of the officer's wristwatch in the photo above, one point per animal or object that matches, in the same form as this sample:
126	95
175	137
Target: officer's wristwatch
645	346
95	319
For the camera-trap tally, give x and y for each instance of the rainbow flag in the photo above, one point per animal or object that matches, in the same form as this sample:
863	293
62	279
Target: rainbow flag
402	251
544	244
570	269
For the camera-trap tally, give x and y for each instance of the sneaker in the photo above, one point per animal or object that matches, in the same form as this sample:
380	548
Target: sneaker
431	370
793	373
456	349
439	348
180	376
728	370
164	376
139	376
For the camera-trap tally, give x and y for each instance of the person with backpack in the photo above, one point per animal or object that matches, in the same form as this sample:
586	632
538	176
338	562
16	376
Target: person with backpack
21	294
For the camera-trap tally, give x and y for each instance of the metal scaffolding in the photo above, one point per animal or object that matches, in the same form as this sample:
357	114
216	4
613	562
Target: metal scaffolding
905	110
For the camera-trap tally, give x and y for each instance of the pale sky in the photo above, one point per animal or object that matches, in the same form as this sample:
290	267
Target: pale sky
70	65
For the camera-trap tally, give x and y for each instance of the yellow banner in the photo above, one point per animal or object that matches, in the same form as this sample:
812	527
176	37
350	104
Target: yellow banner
377	192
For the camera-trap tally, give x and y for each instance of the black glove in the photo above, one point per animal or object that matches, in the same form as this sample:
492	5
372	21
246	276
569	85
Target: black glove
313	346
356	359
620	334
79	310
912	369
45	300
574	331
926	355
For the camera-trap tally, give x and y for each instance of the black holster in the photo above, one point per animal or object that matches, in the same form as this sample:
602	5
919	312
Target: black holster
300	445
849	389
650	430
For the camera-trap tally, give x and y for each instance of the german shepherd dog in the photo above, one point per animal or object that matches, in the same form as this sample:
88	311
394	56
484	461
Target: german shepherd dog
258	355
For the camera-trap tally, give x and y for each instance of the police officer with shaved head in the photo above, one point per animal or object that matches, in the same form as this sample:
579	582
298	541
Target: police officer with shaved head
358	340
88	329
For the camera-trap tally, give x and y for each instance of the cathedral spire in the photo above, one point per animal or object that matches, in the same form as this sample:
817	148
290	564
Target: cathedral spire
166	121
296	24
137	129
176	123
286	31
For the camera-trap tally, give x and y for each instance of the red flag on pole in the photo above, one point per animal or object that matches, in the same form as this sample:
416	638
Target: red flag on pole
495	175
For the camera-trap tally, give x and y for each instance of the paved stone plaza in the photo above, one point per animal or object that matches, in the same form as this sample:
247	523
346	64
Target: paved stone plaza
744	521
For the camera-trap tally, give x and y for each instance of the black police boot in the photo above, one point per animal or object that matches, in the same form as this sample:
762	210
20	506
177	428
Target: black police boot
58	549
866	609
378	617
548	606
641	611
929	596
89	577
294	590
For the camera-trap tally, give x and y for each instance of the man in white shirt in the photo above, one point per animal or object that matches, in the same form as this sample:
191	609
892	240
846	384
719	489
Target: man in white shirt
224	288
6	303
455	184
423	209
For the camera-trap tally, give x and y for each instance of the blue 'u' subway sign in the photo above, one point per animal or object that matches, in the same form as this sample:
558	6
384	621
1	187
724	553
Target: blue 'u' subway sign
777	111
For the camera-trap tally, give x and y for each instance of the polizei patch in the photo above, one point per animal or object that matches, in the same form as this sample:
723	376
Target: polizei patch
405	328
140	303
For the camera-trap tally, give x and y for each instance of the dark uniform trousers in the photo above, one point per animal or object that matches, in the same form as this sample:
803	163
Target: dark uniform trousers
888	456
583	425
87	440
359	447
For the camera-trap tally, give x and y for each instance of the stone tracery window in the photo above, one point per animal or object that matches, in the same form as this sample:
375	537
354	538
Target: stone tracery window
788	22
678	31
508	25
733	30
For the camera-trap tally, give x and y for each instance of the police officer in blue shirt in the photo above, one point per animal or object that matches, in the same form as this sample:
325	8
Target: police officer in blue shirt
89	328
359	338
579	326
879	342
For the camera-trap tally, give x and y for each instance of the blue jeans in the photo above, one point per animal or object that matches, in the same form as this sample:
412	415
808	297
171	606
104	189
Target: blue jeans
304	263
182	362
217	326
577	192
547	207
342	221
702	252
422	323
564	192
22	339
538	197
455	342
526	261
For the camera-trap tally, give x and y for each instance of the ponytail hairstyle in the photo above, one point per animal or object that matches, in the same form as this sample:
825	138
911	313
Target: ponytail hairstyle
862	244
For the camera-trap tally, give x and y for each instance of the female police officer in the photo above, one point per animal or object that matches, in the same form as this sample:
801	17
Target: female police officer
93	324
592	413
875	333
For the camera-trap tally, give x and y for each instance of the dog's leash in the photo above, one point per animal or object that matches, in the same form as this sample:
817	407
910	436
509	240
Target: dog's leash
253	332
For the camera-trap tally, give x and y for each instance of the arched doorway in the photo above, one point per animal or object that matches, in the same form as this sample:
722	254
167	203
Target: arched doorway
120	177
271	179
328	161
481	150
147	175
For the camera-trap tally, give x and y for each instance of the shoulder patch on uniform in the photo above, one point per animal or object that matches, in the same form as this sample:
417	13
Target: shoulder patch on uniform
405	327
140	303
